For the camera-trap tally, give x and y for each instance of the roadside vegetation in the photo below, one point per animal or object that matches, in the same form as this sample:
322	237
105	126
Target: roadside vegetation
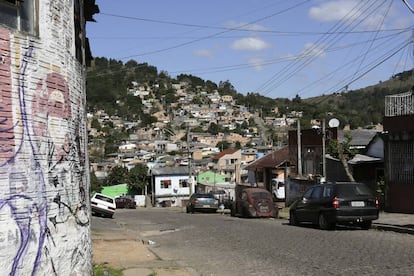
103	270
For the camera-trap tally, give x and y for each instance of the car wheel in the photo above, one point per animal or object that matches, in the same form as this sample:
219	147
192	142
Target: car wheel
365	225
293	220
324	224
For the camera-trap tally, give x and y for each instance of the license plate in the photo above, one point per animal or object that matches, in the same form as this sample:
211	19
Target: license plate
206	206
357	204
264	209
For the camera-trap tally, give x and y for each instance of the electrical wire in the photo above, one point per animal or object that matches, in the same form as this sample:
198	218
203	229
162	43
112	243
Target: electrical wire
342	67
299	62
297	65
269	62
216	34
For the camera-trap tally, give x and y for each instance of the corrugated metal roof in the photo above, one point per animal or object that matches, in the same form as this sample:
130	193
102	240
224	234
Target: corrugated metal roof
271	160
176	170
360	158
360	137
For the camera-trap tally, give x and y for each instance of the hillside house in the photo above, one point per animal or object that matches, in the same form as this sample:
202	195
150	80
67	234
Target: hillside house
227	163
311	148
273	165
171	186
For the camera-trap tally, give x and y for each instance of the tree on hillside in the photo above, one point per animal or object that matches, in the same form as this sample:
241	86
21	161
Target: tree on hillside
214	128
96	186
222	145
137	179
118	175
147	120
226	88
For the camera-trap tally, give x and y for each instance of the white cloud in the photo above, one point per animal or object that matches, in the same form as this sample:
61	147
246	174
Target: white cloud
250	44
347	11
334	10
257	63
311	49
245	26
203	53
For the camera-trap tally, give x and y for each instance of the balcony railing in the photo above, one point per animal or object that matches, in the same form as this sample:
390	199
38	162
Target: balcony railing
399	104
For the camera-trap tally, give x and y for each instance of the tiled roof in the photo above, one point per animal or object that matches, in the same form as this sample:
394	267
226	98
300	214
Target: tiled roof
224	152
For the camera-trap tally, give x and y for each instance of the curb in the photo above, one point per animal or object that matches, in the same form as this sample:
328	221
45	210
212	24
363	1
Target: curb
394	228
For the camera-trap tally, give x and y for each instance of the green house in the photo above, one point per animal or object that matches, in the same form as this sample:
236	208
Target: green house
115	190
210	178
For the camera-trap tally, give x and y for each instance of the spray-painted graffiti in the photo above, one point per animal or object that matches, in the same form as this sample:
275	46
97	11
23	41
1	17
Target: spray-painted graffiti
42	168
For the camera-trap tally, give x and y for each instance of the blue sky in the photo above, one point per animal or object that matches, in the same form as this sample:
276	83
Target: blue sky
276	48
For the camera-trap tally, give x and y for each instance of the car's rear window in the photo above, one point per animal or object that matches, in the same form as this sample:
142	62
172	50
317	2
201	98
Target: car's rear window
260	195
205	195
347	190
104	198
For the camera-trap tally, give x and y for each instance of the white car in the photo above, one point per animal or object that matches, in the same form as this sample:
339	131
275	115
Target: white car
103	205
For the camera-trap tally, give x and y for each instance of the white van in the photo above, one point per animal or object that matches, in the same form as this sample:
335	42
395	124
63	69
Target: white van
278	188
103	205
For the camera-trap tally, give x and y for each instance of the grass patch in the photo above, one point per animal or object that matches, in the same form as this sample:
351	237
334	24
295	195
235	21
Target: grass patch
100	269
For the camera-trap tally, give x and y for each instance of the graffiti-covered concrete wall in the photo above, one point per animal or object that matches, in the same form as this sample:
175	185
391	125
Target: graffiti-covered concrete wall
44	200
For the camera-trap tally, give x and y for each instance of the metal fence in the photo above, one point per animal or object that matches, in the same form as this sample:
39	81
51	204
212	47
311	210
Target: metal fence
401	162
399	104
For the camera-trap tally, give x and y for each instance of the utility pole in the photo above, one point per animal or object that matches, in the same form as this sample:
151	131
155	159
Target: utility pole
190	178
299	149
323	148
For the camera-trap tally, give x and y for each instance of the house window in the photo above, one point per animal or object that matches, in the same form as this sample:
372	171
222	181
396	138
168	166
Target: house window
165	184
183	183
19	15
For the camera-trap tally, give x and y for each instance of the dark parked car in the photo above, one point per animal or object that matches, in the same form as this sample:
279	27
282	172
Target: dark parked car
253	202
125	202
200	202
336	203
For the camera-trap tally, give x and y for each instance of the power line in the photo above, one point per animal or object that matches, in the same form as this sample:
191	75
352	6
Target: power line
242	28
298	64
218	33
269	62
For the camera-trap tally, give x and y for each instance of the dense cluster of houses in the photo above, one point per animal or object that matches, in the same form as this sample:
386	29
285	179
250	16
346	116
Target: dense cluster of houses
384	157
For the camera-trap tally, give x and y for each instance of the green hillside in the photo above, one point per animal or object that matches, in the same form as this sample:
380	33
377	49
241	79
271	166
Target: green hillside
108	81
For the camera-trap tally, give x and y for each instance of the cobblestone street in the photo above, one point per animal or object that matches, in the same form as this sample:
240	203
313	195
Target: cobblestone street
214	244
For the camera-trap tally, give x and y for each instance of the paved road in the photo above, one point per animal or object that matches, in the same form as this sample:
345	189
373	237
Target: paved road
215	244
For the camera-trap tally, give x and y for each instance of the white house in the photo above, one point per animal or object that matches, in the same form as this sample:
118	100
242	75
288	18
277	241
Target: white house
171	186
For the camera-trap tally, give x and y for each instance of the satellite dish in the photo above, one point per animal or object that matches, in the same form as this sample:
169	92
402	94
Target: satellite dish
333	122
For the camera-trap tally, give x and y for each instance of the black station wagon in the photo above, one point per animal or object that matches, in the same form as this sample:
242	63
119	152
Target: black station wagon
337	203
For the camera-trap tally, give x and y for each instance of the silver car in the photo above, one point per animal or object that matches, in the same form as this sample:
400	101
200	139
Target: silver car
202	202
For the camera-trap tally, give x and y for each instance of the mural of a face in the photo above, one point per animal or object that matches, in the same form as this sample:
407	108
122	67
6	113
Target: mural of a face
51	109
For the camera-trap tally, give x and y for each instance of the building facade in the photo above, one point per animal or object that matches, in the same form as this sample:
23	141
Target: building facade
399	152
44	173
